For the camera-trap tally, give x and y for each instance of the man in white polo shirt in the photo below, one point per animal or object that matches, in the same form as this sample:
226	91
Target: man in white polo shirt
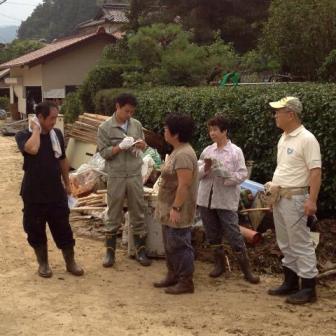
298	174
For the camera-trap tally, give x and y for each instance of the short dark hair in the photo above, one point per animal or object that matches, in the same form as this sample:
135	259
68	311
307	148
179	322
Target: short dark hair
182	125
44	108
220	121
126	98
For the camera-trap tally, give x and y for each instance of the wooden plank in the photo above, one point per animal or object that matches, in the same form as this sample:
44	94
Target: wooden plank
87	208
102	191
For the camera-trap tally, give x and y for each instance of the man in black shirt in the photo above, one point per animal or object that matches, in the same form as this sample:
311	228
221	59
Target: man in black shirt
43	194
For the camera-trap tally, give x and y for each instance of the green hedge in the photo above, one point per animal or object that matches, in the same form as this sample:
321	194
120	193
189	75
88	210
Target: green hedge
72	107
253	127
4	103
101	77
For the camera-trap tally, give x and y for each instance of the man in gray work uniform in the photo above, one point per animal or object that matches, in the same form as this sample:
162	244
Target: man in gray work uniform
115	140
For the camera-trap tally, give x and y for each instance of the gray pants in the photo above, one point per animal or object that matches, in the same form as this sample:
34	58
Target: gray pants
119	188
293	236
179	251
219	223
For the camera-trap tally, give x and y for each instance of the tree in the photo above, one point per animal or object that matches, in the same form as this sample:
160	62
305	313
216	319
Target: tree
156	55
327	72
56	18
18	48
239	21
300	34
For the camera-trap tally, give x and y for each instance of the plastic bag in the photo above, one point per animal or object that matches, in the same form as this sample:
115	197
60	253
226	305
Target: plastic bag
97	161
83	181
146	168
85	178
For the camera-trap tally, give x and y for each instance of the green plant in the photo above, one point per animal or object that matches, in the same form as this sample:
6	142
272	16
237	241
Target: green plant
4	103
253	127
101	77
327	71
71	107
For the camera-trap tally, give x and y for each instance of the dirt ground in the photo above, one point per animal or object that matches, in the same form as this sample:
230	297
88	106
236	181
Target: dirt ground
121	300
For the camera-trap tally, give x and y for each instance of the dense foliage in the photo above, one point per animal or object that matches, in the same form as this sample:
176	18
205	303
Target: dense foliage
4	103
18	48
56	18
300	34
71	107
253	126
157	55
238	21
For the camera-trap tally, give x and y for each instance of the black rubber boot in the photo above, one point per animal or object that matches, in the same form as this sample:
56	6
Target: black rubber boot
71	265
42	258
184	285
219	267
140	251
290	284
110	243
307	294
246	269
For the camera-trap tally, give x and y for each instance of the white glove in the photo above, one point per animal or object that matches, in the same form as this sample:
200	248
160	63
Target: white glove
126	143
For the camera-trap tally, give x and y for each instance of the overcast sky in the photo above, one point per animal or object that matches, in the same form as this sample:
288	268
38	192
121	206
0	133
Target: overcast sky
12	12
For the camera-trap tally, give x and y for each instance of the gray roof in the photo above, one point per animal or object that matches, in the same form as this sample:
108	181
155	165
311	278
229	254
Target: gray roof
115	13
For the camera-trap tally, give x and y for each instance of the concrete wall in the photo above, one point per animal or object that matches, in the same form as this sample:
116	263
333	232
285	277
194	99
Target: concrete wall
27	77
72	67
32	76
69	68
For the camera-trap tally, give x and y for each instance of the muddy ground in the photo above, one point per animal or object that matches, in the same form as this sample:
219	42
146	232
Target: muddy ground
121	300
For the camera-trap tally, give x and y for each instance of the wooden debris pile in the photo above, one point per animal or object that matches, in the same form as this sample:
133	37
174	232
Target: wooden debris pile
265	257
87	216
95	201
10	128
86	127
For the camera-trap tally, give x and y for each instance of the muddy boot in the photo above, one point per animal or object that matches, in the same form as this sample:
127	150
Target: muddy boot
184	285
246	269
306	294
140	251
290	284
71	265
169	280
110	243
219	268
42	259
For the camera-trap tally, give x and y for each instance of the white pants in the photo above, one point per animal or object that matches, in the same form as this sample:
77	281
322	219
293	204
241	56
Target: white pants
293	236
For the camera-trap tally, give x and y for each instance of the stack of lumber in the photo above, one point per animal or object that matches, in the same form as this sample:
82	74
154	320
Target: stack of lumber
86	127
95	201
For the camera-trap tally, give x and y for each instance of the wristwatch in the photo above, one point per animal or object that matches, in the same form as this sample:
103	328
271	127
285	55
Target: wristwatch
178	209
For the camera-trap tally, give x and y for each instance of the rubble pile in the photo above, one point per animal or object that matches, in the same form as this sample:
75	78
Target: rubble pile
10	128
86	127
266	256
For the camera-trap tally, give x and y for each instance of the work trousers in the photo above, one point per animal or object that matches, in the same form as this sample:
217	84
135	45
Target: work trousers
119	188
179	251
293	236
219	224
35	217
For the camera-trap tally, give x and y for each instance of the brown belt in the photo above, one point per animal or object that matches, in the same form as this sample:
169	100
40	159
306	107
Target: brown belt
289	192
